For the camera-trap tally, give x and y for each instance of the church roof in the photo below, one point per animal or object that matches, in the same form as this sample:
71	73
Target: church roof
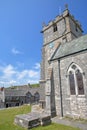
12	92
23	91
70	48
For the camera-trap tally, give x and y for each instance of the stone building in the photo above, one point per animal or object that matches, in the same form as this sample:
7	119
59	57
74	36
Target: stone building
64	67
20	95
2	97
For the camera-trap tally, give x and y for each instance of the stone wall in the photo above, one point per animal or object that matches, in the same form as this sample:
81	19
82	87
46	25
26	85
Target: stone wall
2	95
2	105
2	98
74	105
75	27
56	87
66	31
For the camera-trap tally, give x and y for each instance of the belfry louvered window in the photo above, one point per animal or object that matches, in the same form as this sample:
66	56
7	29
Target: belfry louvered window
54	27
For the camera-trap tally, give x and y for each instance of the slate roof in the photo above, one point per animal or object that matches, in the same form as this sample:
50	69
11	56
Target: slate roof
23	91
69	48
12	92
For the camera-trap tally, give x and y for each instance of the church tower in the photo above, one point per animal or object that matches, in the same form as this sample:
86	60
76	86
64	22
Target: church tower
63	29
59	31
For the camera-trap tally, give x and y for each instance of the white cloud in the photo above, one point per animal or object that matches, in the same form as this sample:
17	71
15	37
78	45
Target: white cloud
7	83
2	82
32	81
28	74
12	82
37	66
22	74
15	51
9	71
10	75
33	73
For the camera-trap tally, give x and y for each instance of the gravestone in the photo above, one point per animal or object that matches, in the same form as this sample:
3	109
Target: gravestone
33	119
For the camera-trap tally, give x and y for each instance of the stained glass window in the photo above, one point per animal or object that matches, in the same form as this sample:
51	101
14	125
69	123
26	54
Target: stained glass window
72	83
80	82
37	96
76	80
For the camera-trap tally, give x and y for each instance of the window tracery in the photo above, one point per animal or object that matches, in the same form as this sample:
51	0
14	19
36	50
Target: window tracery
76	80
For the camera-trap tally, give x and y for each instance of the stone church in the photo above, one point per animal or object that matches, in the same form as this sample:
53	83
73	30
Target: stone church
64	67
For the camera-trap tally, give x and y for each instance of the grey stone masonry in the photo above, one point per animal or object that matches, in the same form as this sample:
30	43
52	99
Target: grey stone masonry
74	105
64	46
82	125
67	29
32	119
2	98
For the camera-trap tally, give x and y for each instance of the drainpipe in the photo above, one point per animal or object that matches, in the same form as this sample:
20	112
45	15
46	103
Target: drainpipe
61	101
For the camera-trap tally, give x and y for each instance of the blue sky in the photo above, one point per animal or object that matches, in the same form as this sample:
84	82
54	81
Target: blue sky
20	37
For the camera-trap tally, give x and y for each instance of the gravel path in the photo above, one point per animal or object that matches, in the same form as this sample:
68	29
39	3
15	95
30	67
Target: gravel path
77	124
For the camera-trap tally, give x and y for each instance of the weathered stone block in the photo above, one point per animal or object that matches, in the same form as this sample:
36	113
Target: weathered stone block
27	120
45	119
32	119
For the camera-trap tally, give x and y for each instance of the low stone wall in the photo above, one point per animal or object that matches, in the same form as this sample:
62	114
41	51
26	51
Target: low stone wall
2	105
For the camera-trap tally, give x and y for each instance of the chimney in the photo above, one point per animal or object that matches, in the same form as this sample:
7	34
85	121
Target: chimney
2	88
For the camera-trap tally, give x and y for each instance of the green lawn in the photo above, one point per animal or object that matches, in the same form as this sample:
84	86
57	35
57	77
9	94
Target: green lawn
7	120
7	117
55	127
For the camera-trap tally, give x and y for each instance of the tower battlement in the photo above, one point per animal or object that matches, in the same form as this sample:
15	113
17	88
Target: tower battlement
63	25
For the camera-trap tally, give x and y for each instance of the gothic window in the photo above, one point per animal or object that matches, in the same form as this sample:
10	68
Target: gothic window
28	94
14	99
79	82
72	83
28	97
36	96
54	28
76	28
76	80
74	67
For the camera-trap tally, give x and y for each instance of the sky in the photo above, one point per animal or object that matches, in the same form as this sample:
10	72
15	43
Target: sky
20	38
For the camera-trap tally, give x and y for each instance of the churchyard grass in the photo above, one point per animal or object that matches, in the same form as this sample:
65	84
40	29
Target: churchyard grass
7	117
7	120
54	126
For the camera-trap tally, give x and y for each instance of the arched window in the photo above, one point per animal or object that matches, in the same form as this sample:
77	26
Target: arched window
28	97
37	96
54	27
76	80
72	83
79	79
